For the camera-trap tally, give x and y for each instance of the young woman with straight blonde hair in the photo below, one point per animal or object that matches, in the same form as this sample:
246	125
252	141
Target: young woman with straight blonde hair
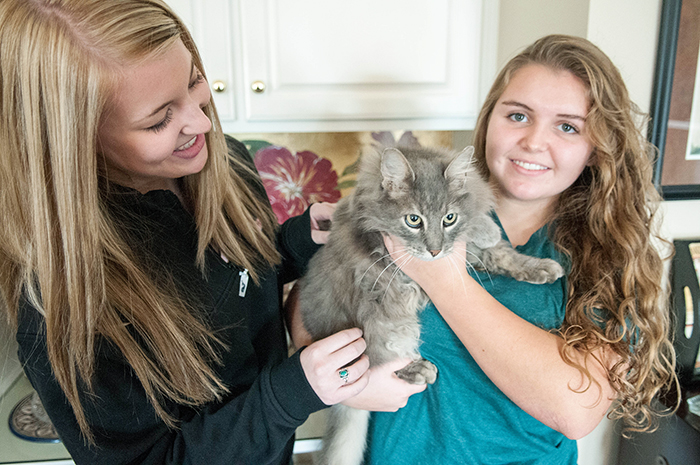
129	231
524	370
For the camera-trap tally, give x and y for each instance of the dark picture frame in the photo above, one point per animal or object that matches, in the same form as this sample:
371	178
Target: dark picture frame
672	99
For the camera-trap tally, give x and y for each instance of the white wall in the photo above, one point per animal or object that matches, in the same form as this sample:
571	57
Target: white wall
627	31
522	22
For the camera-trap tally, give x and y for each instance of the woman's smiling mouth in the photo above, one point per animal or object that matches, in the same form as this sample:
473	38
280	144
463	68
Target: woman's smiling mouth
187	145
529	166
192	148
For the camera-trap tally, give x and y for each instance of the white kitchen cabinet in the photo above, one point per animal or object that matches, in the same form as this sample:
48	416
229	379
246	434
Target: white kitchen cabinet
331	65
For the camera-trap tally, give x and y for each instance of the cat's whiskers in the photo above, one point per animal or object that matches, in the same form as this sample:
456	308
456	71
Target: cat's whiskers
398	268
386	268
463	257
370	267
454	264
475	256
469	265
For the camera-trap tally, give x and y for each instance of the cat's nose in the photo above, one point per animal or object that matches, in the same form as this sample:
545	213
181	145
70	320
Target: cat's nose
434	252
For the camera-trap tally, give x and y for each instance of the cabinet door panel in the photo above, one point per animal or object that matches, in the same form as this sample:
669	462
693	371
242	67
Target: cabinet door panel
358	44
328	59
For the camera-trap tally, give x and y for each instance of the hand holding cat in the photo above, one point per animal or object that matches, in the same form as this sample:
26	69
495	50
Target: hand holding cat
326	364
385	392
426	273
321	216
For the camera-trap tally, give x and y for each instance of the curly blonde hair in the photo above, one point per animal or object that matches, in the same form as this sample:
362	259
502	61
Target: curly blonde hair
60	61
606	223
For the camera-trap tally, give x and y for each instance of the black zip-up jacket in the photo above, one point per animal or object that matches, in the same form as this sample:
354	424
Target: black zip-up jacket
269	394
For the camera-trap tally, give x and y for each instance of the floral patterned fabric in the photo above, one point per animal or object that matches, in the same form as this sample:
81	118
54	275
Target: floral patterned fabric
293	181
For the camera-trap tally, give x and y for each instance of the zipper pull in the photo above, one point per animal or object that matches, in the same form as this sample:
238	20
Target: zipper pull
243	286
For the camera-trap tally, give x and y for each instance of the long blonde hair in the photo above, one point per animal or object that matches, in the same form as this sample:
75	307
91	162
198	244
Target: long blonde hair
59	246
606	223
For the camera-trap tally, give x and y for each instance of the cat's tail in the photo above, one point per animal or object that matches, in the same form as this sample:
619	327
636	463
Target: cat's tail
345	439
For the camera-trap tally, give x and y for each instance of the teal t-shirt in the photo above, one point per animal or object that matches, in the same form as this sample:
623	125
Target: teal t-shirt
464	418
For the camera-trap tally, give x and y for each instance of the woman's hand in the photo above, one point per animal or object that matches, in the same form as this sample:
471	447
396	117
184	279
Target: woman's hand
326	364
321	216
448	270
385	392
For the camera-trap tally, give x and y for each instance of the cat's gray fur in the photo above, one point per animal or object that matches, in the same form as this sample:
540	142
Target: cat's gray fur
352	282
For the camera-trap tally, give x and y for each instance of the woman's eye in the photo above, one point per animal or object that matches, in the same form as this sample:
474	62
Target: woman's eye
160	126
449	219
518	117
568	128
198	78
413	221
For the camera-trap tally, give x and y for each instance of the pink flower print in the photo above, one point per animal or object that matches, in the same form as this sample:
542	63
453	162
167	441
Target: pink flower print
294	181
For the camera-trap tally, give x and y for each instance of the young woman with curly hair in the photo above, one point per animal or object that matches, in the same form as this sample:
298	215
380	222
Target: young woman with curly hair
523	369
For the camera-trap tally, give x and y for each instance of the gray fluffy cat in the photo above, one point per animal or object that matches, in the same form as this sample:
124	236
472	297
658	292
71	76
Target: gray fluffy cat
429	198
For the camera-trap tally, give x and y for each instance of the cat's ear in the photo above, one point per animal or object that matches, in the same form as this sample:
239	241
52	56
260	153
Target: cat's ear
397	174
459	167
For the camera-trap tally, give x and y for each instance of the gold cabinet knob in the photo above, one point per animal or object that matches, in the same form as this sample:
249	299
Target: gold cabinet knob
218	86
258	87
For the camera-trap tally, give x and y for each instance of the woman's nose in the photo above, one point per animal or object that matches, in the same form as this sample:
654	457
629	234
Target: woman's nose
197	121
536	138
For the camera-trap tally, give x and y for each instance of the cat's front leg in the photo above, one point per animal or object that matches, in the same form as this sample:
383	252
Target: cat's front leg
419	372
503	259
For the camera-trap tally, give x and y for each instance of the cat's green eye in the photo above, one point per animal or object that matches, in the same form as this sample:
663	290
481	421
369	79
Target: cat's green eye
413	221
449	219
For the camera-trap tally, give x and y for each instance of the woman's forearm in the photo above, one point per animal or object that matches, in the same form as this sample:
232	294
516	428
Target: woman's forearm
521	359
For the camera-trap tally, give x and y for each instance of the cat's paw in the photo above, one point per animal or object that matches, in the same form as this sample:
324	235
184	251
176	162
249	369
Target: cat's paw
418	372
547	271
